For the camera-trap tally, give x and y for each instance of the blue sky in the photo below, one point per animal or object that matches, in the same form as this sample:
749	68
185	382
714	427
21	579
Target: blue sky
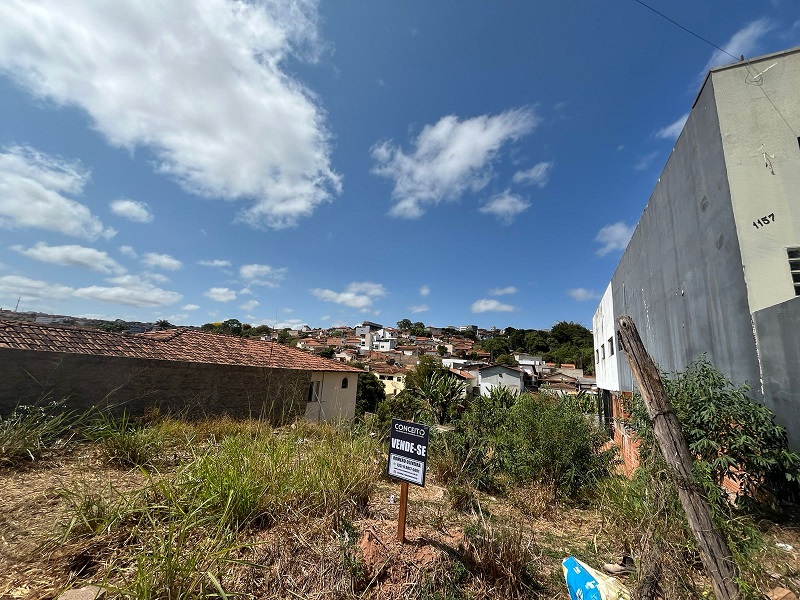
326	163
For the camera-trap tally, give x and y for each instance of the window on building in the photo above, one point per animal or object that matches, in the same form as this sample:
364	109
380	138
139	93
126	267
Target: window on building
794	267
313	391
611	346
603	351
597	355
345	383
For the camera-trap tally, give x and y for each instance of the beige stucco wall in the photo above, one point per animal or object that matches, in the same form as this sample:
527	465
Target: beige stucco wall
335	402
756	119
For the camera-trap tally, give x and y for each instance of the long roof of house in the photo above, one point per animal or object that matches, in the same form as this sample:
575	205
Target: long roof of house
183	345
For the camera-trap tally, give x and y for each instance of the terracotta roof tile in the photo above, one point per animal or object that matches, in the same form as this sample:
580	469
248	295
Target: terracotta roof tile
183	345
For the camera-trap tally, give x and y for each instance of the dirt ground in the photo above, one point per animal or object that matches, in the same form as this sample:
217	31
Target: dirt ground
366	560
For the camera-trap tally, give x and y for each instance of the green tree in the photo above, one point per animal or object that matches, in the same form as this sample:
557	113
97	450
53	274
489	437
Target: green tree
164	324
326	352
416	378
232	326
441	350
370	393
442	394
405	325
496	346
284	337
506	359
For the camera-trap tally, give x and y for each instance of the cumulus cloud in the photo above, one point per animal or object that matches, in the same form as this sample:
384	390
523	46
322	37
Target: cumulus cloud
419	308
505	207
743	42
132	210
220	294
613	237
582	294
161	261
130	290
262	274
189	307
356	295
159	277
673	130
503	291
14	286
214	263
38	190
220	112
538	174
73	256
491	305
448	158
424	291
250	305
128	251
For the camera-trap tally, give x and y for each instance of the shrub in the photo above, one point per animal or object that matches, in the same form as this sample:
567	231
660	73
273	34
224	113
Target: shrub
729	434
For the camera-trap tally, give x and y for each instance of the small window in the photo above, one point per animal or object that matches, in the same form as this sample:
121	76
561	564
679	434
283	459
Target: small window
603	351
794	268
313	391
345	383
611	346
597	355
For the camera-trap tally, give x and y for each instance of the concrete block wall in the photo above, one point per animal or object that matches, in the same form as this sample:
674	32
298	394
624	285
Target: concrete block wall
135	385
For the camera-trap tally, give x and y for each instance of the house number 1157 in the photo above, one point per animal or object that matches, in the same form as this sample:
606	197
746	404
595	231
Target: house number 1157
770	218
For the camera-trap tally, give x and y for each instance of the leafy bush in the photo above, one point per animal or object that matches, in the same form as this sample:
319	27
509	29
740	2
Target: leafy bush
729	434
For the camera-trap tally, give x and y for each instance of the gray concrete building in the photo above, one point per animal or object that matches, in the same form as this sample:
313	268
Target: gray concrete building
714	263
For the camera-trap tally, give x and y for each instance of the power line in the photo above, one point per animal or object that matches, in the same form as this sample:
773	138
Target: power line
689	31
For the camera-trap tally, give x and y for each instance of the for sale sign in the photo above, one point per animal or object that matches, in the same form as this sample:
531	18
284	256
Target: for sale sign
408	451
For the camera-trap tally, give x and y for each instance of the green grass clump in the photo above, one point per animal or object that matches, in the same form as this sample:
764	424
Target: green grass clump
31	430
126	442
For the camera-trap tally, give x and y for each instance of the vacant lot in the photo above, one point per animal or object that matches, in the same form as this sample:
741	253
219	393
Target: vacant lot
237	509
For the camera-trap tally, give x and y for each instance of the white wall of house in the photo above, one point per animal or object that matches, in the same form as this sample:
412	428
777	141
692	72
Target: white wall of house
335	401
499	375
604	328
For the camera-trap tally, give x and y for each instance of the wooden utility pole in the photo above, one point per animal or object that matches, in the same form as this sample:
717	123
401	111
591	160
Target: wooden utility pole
714	551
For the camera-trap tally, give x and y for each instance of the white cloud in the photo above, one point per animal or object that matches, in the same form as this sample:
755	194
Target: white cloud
673	130
419	308
220	111
505	207
262	274
613	237
449	158
743	42
35	191
159	277
485	305
424	291
128	251
645	161
133	210
16	286
214	263
130	290
220	294
161	261
538	174
126	289
72	255
190	307
582	294
356	295
503	291
250	305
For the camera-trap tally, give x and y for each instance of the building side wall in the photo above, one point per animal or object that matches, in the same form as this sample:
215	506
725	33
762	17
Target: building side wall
680	278
760	122
135	385
603	328
778	331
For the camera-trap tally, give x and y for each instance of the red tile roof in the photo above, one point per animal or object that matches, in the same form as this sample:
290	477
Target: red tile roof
184	345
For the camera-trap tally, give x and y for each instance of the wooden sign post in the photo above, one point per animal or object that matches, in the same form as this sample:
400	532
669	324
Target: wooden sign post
408	459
